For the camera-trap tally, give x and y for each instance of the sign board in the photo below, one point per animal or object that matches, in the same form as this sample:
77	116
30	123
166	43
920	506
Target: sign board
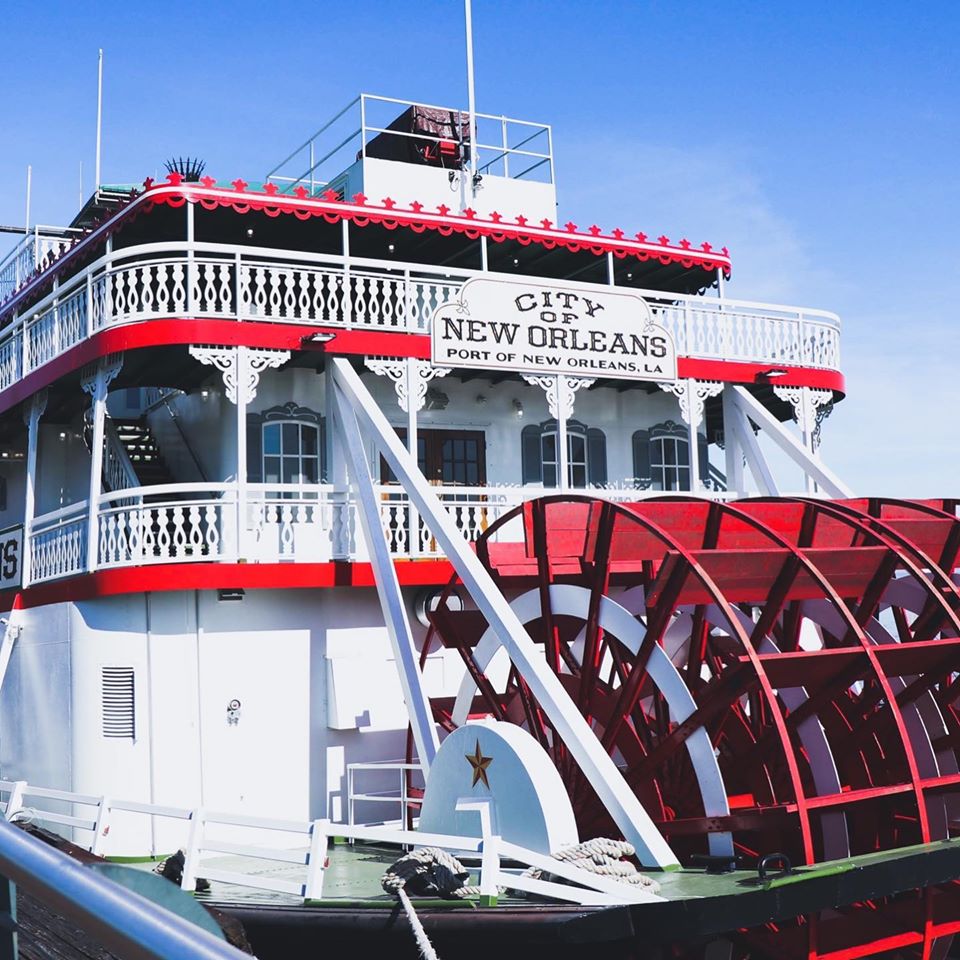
537	328
11	557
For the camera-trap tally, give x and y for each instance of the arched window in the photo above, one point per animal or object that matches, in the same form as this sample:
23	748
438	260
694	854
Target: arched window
661	456
286	444
670	462
586	454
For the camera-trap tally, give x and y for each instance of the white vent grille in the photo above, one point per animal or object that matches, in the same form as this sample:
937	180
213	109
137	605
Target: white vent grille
117	701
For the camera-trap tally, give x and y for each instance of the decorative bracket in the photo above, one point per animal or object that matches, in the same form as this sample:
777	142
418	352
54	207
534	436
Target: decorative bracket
96	377
410	378
230	360
560	390
693	395
810	408
33	409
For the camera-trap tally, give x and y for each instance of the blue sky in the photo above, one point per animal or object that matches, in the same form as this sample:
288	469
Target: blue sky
819	141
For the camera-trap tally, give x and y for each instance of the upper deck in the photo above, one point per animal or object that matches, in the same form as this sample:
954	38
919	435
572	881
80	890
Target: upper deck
178	275
173	254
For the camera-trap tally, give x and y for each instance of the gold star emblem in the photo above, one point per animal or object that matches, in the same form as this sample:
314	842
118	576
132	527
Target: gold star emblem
479	763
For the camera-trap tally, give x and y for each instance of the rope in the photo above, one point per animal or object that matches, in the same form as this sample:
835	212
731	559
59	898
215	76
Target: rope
419	934
603	857
430	871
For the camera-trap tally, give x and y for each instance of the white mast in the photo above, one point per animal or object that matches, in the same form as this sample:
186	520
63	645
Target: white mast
26	220
471	100
96	172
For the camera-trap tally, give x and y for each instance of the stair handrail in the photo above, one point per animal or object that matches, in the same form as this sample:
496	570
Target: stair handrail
118	470
160	397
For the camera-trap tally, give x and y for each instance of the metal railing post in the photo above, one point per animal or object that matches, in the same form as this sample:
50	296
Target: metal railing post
316	862
122	922
503	142
9	945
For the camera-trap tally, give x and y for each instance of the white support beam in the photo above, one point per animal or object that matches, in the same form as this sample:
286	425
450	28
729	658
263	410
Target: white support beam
11	633
598	767
828	481
747	440
739	433
348	434
32	413
732	447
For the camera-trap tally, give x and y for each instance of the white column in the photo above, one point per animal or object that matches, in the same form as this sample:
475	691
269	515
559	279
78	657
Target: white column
561	392
241	368
563	451
693	433
693	395
732	449
413	518
340	525
806	403
96	382
191	266
240	362
32	412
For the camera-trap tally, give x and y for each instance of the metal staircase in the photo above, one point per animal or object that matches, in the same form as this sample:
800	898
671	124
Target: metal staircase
142	452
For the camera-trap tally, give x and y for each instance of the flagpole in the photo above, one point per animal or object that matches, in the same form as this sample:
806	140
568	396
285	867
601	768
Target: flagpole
96	172
26	223
471	99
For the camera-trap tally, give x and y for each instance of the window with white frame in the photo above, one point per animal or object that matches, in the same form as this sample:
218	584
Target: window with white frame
670	462
291	452
286	444
586	454
661	456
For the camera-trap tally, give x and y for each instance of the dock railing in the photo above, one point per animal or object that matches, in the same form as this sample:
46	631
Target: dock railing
399	797
305	843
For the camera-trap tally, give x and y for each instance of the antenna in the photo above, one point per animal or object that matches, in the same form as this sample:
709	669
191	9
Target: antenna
26	222
96	170
471	99
81	183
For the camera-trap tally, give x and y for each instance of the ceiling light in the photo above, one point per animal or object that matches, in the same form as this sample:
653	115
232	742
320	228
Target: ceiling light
518	408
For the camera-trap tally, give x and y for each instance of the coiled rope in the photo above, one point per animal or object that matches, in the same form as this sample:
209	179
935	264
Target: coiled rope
433	872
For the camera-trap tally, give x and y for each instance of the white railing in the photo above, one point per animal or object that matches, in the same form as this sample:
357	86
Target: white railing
302	843
505	146
473	510
267	523
22	261
147	525
57	543
398	797
221	281
118	471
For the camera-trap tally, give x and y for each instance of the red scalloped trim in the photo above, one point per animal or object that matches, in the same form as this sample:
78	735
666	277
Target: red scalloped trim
174	193
363	213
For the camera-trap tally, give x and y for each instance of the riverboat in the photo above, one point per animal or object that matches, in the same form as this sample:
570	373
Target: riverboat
370	502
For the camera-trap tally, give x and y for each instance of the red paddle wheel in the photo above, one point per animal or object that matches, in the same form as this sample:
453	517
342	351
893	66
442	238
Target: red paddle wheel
770	675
